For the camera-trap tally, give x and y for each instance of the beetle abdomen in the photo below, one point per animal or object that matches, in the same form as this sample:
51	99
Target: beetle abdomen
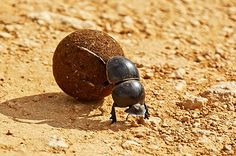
128	93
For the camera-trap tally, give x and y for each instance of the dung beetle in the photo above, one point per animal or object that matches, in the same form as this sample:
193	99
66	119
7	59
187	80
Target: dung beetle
128	91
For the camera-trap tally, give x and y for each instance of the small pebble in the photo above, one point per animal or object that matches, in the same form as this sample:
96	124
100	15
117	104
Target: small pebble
57	142
207	143
227	147
128	144
43	16
148	75
141	121
50	17
234	123
128	20
164	125
185	119
178	73
221	91
134	124
180	85
10	28
193	102
5	35
155	121
168	139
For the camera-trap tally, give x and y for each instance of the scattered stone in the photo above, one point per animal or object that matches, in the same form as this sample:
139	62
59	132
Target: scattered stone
129	144
140	134
30	43
234	123
141	120
192	102
195	22
117	28
134	124
164	125
43	16
208	143
57	142
50	18
185	119
193	41
232	10
155	121
168	139
222	95
128	20
1	48
227	147
10	28
196	124
199	58
148	75
180	85
5	35
179	73
154	146
231	107
223	91
214	117
228	30
202	132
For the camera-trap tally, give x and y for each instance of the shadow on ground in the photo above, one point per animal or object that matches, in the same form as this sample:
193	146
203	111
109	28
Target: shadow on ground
58	110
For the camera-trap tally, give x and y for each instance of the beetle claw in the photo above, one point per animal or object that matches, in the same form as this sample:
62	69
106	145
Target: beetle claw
127	117
113	121
146	116
113	114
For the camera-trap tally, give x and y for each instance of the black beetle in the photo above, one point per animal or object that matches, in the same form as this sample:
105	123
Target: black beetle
128	91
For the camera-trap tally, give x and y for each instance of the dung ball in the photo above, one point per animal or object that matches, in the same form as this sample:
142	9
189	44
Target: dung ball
79	64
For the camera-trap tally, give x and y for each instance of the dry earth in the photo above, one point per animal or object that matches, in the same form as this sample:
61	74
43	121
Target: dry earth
185	51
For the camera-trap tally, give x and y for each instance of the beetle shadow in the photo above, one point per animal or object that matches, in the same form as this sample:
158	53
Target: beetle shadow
59	110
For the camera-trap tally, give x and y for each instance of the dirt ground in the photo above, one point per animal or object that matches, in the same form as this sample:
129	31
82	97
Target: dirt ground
182	48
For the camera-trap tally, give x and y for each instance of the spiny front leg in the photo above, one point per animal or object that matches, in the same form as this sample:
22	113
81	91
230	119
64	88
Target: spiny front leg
146	116
113	114
127	117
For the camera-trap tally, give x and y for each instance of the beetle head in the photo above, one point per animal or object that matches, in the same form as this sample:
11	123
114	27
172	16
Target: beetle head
136	110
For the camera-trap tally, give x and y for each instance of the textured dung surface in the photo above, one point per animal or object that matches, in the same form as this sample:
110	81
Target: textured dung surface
79	73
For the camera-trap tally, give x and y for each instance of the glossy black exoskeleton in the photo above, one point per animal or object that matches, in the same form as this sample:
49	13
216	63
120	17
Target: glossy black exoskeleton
128	91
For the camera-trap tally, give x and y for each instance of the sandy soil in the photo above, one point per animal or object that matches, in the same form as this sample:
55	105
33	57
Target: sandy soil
182	48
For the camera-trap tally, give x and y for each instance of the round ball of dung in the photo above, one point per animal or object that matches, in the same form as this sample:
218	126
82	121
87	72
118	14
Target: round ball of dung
79	64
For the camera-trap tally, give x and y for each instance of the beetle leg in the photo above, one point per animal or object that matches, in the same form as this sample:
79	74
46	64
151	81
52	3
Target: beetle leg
113	114
127	117
146	116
